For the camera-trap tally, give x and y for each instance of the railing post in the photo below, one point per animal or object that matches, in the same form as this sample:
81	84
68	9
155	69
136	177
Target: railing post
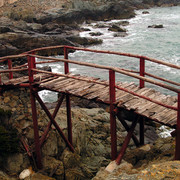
68	102
112	99
66	65
31	65
177	150
10	67
142	71
33	59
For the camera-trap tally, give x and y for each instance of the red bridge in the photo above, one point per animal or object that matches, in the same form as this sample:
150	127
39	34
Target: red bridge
146	103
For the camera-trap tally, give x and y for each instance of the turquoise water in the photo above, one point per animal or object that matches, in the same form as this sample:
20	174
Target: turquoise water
162	44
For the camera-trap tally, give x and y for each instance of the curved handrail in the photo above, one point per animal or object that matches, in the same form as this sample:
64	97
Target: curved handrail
111	68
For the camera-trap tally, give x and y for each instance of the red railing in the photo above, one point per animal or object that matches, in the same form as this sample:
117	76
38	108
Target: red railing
31	55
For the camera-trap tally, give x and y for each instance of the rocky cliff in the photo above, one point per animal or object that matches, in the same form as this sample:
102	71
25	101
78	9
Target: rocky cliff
27	24
91	139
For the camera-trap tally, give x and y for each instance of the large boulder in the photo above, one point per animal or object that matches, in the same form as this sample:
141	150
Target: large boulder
165	170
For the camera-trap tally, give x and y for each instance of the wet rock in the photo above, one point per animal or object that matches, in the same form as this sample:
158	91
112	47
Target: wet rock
96	33
53	166
35	27
45	68
4	29
37	176
50	147
165	170
84	41
123	168
76	173
156	26
70	160
49	27
120	34
24	42
100	25
145	12
85	29
16	162
122	23
116	28
162	150
4	176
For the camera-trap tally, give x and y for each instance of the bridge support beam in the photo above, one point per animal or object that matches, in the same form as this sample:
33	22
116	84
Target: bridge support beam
69	120
126	142
141	130
54	122
112	114
177	150
60	100
36	131
123	122
68	102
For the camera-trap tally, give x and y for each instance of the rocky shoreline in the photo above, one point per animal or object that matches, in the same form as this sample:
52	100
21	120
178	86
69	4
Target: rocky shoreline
26	24
91	139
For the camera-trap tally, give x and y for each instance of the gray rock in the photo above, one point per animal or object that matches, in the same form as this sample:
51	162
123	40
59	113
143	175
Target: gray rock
50	147
96	33
156	26
120	34
145	12
116	28
16	162
4	29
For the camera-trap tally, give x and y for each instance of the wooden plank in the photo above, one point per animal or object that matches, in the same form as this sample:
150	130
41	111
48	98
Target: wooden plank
16	80
51	83
84	90
171	114
173	120
91	93
123	96
46	80
161	109
130	100
76	85
95	94
104	96
155	108
140	103
146	110
166	111
63	84
66	81
41	76
97	90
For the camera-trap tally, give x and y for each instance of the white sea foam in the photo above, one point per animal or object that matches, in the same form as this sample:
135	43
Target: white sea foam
165	131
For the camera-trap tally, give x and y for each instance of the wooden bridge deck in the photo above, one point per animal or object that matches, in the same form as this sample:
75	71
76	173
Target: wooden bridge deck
81	87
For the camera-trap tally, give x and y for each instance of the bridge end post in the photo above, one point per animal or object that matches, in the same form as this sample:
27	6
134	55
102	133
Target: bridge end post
31	65
68	102
112	96
177	150
142	72
10	67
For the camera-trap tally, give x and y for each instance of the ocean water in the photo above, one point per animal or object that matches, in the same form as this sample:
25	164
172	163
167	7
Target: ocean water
162	44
